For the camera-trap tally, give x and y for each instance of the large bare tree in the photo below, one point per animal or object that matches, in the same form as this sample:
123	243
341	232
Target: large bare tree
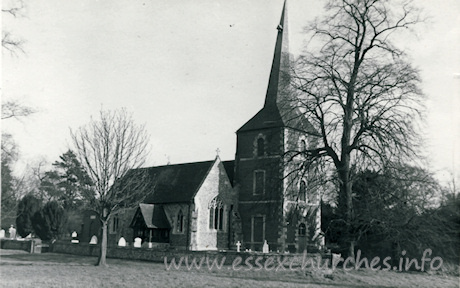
109	148
359	91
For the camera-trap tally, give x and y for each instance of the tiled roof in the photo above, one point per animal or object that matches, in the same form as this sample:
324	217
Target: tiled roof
269	117
229	168
154	216
178	183
277	110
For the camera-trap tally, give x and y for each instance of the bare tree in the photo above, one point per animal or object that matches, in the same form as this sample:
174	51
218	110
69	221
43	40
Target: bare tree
14	45
13	109
359	91
110	149
13	8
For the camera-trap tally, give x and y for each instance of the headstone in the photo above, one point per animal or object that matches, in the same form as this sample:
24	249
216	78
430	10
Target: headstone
74	237
122	242
265	247
336	258
150	245
12	232
2	233
137	242
238	246
93	240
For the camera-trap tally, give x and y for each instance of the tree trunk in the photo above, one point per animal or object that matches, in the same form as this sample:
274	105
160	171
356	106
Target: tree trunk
351	251
103	253
346	203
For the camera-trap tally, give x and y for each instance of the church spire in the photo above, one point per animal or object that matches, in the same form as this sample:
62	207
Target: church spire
278	110
281	58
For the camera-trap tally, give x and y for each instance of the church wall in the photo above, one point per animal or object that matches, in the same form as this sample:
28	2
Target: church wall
281	192
91	226
296	211
215	184
177	238
247	144
256	208
248	161
119	227
272	183
269	213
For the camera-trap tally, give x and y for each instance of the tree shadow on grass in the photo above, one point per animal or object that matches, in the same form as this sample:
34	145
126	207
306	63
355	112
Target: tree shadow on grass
19	257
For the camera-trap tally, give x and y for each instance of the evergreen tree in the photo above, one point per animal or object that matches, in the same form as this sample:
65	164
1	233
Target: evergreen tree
68	183
27	207
48	223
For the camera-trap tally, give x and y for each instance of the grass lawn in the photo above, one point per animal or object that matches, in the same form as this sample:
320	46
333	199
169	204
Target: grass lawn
20	269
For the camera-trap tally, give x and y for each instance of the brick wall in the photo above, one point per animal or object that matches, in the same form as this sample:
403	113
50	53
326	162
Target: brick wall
29	245
155	255
268	204
176	238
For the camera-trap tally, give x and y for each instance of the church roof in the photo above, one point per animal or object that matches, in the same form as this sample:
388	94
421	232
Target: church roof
154	216
229	168
278	110
179	183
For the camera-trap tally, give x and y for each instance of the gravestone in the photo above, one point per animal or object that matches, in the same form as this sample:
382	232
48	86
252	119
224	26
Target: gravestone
265	247
336	258
2	233
137	242
74	237
93	240
122	242
12	232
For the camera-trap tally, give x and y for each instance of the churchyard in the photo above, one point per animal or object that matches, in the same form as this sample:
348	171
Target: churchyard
21	269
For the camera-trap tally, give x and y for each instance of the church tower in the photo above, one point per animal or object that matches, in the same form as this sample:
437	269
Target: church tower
275	204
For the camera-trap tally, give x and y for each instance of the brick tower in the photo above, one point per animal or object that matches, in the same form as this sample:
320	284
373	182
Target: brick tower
274	205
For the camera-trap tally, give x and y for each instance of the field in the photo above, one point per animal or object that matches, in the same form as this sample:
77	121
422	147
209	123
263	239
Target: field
20	269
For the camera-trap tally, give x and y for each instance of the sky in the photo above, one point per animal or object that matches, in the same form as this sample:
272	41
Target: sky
192	71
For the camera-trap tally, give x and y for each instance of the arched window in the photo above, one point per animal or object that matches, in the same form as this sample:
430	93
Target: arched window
216	214
260	147
303	191
259	182
303	146
180	222
302	229
114	226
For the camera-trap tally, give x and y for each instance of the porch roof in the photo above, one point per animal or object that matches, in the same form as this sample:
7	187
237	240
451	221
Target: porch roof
154	216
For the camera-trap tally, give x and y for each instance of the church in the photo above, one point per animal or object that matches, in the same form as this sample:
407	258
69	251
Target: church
258	197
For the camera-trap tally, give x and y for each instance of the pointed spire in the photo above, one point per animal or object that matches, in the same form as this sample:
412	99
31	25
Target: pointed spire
281	59
278	110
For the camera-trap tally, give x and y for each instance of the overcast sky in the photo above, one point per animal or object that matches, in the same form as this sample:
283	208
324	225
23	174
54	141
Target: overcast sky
192	71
